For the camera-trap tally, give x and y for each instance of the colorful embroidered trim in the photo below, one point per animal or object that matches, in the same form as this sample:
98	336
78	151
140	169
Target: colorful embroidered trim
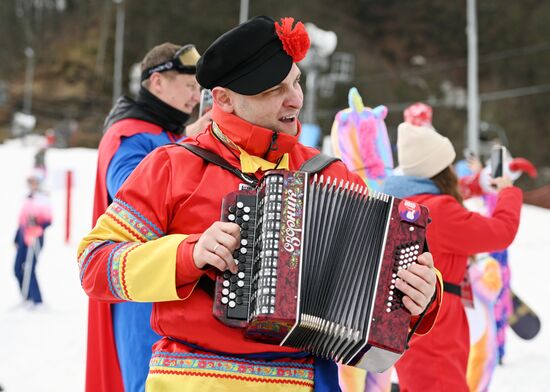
87	254
116	269
139	226
204	365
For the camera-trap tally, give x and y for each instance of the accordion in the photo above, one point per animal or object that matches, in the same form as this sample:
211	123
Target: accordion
317	265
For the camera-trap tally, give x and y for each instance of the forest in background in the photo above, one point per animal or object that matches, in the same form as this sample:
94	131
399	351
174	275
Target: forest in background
405	51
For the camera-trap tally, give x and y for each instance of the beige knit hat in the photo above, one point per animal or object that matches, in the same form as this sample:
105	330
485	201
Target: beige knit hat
422	152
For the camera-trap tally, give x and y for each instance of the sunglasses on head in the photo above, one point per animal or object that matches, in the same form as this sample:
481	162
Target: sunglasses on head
184	61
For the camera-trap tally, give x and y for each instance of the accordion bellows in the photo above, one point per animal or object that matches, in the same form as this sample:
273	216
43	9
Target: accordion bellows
317	267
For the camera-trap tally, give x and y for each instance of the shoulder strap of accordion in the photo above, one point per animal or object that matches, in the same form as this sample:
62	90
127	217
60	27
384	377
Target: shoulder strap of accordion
317	163
209	156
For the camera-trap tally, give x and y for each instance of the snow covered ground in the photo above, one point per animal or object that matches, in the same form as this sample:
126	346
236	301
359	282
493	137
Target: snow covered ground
44	349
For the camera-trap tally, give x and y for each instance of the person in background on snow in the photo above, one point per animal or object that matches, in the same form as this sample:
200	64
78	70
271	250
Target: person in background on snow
119	335
438	361
34	217
162	232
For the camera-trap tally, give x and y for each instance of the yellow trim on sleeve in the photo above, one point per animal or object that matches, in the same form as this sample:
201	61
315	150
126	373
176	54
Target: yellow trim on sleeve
140	271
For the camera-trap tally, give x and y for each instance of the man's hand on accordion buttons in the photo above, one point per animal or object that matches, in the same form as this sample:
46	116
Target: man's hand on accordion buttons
418	284
216	245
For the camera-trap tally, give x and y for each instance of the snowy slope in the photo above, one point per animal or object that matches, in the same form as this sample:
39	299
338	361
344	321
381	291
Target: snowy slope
44	349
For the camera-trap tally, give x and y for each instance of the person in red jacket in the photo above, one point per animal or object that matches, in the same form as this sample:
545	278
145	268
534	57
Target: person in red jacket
162	232
438	361
119	335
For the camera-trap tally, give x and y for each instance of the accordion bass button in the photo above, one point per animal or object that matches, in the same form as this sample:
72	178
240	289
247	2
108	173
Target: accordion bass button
246	209
240	283
225	300
240	204
232	304
231	217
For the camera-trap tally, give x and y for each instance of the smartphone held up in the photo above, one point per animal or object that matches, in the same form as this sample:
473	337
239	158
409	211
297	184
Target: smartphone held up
206	101
498	155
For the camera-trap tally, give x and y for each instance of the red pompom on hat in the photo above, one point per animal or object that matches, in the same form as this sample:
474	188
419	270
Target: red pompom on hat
418	114
295	39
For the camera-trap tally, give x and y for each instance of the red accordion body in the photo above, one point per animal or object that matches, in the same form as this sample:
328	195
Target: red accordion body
317	267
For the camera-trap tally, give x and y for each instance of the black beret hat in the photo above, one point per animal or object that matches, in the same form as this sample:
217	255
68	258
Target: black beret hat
254	56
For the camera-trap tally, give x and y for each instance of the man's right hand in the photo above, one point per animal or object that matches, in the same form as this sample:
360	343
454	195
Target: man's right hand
216	245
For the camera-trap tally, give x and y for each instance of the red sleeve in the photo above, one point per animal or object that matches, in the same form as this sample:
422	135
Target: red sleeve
187	272
469	186
460	231
432	312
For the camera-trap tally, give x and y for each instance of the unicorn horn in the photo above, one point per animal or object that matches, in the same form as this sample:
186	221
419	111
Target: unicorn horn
355	100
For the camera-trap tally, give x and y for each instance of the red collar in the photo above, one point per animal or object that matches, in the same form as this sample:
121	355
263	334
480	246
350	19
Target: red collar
253	139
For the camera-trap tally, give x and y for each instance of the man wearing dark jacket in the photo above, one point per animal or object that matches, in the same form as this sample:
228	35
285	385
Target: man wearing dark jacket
119	335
